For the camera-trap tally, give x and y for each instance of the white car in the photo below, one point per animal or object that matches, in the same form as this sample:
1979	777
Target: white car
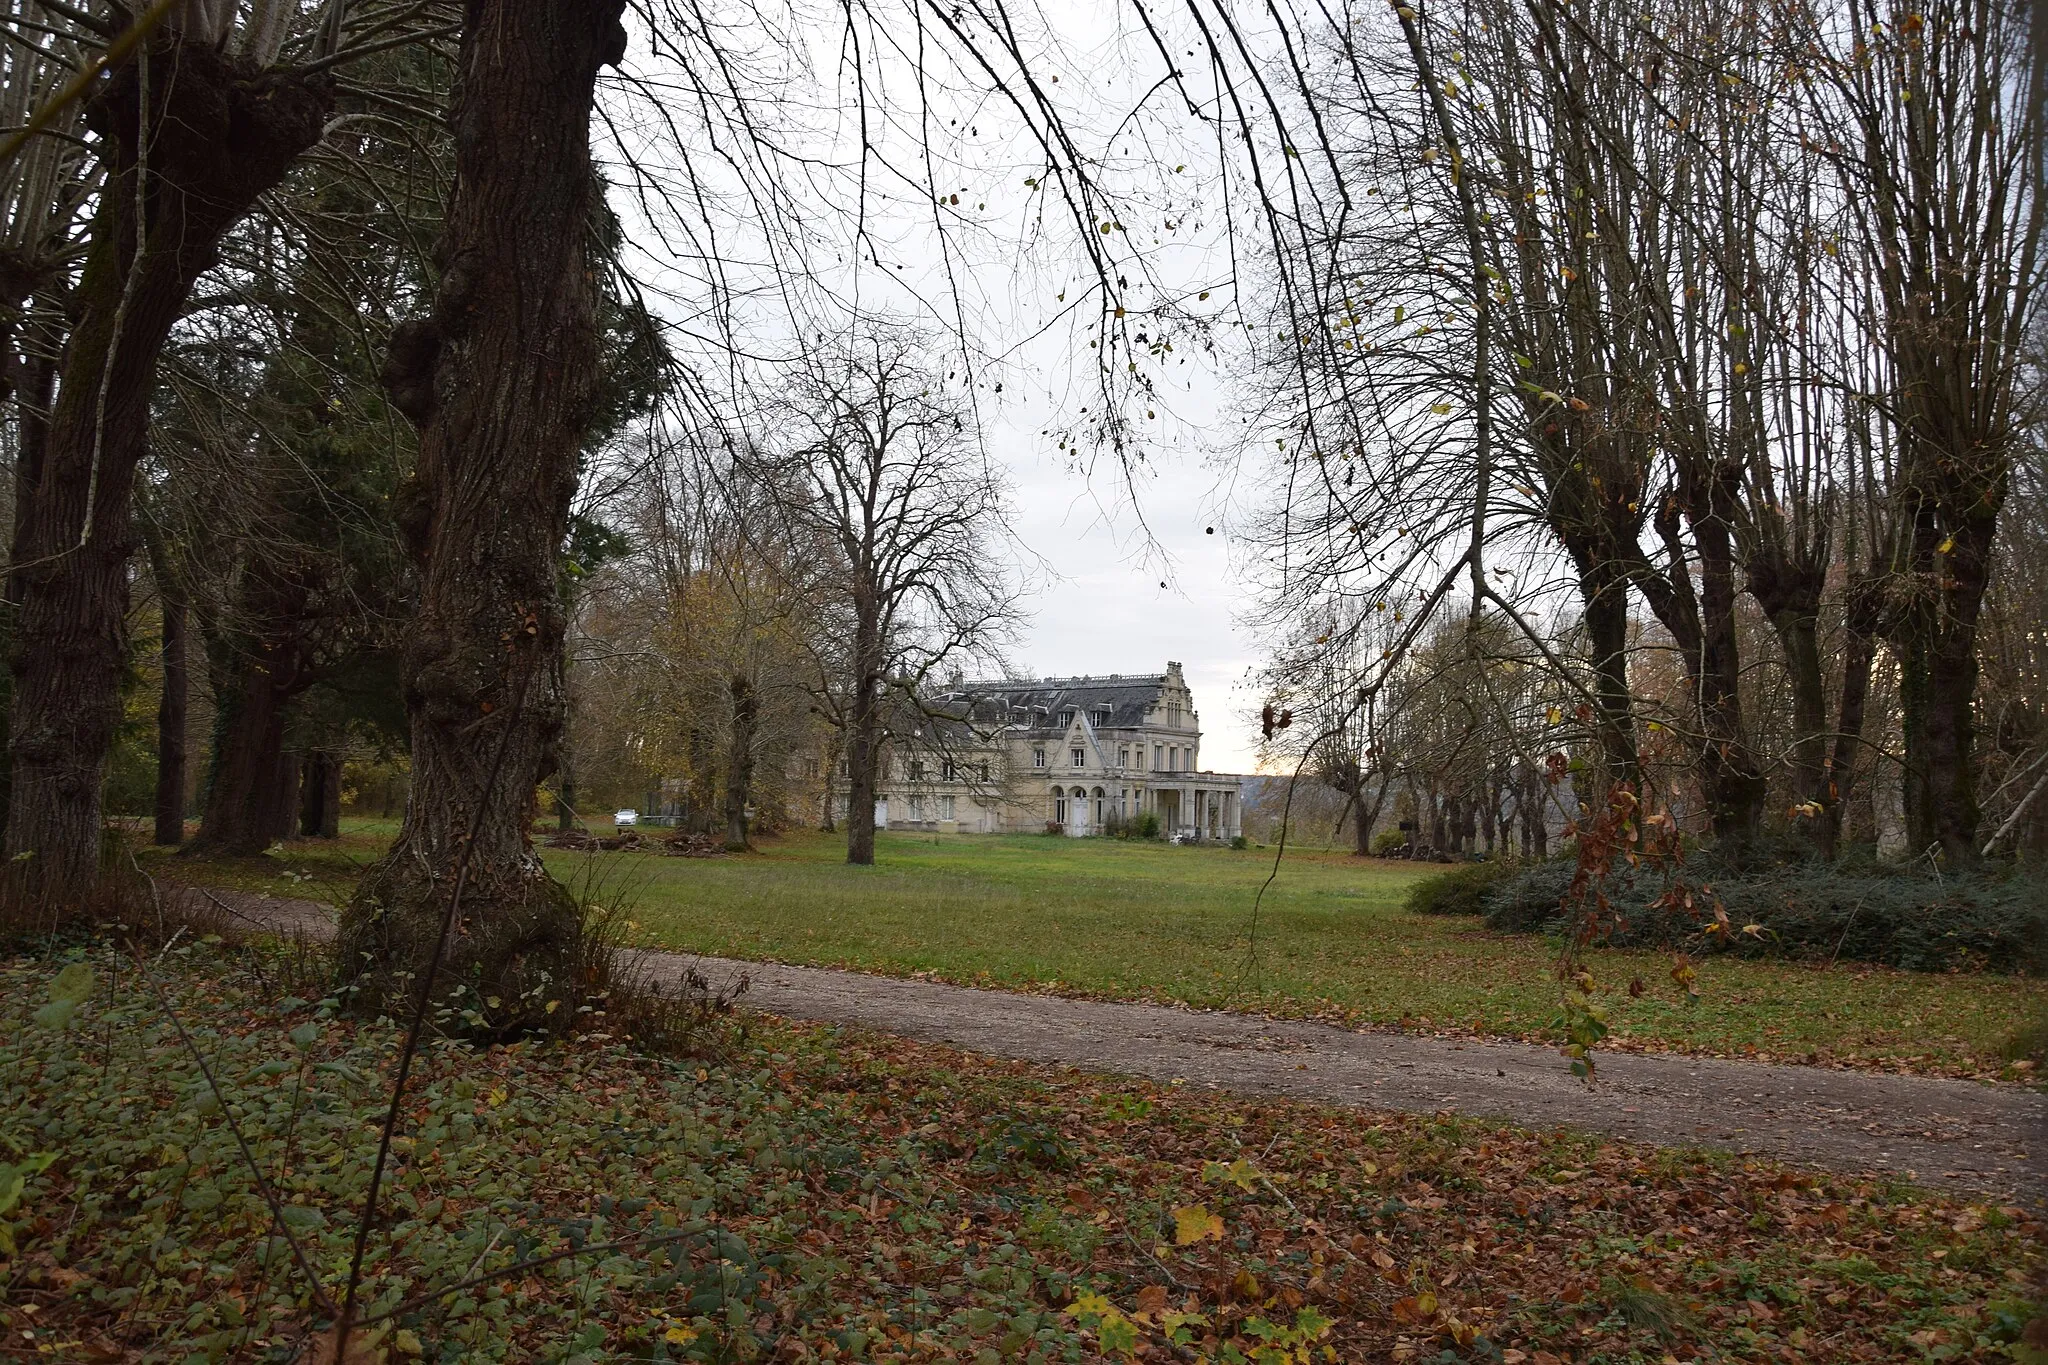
622	818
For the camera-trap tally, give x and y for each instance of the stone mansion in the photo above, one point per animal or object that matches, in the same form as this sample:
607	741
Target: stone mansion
1080	755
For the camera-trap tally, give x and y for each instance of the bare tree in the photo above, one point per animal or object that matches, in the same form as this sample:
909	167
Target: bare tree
887	467
1937	137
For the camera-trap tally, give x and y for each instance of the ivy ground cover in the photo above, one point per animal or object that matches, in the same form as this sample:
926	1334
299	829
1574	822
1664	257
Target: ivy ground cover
805	1194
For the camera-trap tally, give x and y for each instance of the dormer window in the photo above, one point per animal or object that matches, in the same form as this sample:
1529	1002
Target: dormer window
1066	719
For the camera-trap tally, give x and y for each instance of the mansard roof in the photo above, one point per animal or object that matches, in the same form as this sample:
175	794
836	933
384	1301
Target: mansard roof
1038	703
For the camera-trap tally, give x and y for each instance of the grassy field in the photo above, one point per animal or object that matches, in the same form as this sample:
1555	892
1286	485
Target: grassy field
1148	921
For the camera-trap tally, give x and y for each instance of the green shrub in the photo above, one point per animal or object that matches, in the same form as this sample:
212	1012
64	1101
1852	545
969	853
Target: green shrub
1856	910
1389	842
1458	890
1143	825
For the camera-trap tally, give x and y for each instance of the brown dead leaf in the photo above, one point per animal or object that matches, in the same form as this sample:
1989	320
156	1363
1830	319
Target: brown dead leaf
365	1347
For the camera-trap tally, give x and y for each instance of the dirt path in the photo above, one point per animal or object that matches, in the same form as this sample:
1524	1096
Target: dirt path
1951	1135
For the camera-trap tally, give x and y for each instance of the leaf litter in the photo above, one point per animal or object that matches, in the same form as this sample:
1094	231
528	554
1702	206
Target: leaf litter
812	1193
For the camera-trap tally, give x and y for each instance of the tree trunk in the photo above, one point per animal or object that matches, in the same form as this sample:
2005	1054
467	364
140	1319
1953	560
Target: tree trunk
282	806
1937	688
170	724
312	787
1936	641
826	822
565	798
1740	787
218	134
31	437
862	752
320	796
1788	586
250	801
1603	591
1361	827
499	379
1703	628
864	740
1841	769
739	761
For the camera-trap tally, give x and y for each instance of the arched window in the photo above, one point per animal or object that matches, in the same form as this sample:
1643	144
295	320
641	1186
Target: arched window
1101	810
1059	806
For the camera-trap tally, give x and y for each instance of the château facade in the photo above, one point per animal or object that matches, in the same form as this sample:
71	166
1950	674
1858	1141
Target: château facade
1087	755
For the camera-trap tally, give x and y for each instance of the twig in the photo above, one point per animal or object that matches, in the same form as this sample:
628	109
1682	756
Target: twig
116	52
417	1025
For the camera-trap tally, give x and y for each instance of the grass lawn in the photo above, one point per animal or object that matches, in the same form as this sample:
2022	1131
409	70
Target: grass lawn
1149	921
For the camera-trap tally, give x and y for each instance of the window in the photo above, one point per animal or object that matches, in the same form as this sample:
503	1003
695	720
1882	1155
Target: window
916	772
1102	715
917	808
945	808
1123	754
1059	806
1038	758
1079	756
947	771
1173	716
1066	718
1158	757
984	772
1173	758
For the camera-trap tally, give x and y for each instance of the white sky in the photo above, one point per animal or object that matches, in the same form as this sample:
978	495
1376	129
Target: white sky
1094	545
1096	563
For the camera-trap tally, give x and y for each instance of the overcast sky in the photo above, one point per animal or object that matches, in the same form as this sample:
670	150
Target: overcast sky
924	200
1106	611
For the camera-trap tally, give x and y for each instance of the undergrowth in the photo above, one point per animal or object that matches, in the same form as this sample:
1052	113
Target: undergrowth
1457	891
813	1194
1780	903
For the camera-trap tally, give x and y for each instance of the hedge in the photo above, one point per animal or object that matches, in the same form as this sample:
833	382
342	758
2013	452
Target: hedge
1857	911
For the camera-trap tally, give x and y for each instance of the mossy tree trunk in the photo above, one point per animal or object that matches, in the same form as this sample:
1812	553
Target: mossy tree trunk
191	137
499	379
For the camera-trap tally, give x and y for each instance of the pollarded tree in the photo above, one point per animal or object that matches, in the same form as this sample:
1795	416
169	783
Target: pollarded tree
502	380
206	115
1937	130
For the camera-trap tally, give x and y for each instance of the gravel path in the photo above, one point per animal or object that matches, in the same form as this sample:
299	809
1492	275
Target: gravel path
1959	1136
